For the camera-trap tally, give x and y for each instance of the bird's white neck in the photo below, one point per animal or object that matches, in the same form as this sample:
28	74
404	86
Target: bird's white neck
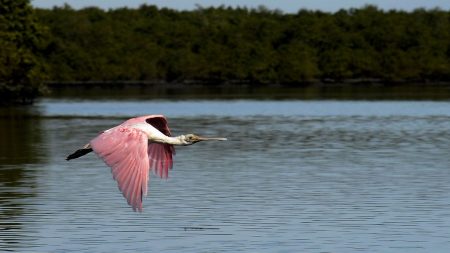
161	138
155	135
177	140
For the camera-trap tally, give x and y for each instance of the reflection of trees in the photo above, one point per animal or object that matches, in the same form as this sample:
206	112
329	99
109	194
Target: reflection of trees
20	146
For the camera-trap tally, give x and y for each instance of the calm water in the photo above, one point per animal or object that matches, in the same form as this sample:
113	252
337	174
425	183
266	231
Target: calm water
295	176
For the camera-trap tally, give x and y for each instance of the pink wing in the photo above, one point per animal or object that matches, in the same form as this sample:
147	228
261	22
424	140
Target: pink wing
160	158
124	149
160	155
157	121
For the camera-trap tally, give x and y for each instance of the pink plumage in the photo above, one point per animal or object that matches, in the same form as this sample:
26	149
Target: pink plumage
130	155
135	147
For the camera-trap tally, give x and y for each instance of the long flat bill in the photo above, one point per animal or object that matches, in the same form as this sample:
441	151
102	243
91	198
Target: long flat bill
212	139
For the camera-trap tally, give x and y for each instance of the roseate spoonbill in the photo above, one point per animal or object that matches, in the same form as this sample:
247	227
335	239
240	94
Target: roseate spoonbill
135	147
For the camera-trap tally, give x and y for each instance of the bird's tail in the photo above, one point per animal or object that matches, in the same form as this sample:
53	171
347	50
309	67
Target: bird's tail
80	152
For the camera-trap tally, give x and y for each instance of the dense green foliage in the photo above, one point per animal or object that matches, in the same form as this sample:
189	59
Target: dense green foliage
238	44
21	41
217	45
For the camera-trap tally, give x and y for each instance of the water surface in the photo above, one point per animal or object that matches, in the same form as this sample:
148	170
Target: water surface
295	176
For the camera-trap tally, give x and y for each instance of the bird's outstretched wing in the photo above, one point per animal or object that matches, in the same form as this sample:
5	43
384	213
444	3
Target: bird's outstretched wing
159	154
157	121
124	149
160	158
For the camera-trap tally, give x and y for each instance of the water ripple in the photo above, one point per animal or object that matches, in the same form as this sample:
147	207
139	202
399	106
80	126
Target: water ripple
283	183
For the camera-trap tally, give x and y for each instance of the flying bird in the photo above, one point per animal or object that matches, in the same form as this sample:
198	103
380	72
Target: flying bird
133	149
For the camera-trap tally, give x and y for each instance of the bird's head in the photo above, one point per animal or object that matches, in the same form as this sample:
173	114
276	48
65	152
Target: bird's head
190	139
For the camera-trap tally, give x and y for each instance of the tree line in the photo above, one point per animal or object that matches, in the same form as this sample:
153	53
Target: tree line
22	68
219	45
226	44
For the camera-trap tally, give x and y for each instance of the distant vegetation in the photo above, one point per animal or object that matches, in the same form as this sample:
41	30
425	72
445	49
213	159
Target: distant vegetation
247	45
22	39
219	45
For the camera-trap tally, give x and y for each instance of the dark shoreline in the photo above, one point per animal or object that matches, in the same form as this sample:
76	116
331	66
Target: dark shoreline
143	90
244	83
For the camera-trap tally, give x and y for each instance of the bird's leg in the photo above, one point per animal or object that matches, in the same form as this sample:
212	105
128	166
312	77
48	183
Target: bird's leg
80	152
